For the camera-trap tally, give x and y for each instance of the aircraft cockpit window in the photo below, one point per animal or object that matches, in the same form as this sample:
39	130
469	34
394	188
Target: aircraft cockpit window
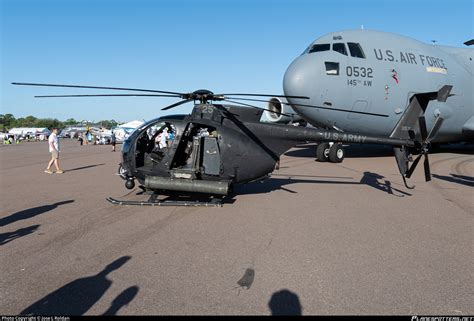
332	68
339	47
306	50
319	47
356	50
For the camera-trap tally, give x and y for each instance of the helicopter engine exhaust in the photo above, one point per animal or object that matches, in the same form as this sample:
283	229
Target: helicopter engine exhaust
188	185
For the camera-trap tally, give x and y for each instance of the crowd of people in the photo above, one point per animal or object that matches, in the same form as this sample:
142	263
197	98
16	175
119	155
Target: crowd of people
9	139
89	138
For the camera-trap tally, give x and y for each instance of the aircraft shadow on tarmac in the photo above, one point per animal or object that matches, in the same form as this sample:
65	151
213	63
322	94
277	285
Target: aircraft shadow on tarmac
274	183
455	178
371	179
83	167
285	302
78	296
31	212
10	236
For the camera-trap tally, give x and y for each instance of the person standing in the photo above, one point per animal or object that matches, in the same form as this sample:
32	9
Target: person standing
87	136
53	142
113	141
170	137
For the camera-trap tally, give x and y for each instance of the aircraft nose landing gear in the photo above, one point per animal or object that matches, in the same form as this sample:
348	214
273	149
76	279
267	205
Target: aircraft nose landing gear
331	152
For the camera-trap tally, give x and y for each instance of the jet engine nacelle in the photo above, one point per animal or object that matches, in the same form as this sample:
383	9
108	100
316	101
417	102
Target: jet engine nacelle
277	106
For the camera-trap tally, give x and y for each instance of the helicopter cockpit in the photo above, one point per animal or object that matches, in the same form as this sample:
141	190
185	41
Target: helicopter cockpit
178	149
153	145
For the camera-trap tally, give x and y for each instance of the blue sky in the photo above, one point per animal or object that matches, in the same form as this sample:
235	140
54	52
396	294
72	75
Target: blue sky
183	45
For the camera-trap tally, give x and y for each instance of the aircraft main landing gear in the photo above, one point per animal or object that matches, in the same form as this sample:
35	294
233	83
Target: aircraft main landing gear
322	152
332	152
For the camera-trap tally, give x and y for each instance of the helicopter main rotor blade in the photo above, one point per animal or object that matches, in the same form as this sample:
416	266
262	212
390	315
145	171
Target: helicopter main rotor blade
96	87
312	106
108	95
337	109
248	99
265	95
177	104
256	107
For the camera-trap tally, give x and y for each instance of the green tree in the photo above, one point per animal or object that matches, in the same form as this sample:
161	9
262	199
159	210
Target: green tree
29	121
49	123
108	123
19	122
7	120
70	121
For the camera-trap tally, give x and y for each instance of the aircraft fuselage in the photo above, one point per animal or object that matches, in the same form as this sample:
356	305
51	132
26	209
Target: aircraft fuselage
376	72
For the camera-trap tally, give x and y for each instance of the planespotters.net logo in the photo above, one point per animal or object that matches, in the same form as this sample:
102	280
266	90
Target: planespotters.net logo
416	318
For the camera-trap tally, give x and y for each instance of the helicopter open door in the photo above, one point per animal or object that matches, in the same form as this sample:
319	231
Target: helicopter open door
197	154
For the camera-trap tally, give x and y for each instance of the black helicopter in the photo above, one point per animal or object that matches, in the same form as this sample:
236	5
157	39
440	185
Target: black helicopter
218	146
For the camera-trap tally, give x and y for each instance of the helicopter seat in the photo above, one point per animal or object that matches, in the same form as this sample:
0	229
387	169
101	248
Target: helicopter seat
157	155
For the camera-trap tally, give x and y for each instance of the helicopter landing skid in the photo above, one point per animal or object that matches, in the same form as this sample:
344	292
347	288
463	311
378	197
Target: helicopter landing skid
153	201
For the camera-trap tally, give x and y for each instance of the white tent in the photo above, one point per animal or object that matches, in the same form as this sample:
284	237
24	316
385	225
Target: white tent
41	133
29	130
123	131
132	124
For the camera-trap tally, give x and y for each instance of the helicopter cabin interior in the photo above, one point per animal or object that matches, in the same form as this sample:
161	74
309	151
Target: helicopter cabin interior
189	152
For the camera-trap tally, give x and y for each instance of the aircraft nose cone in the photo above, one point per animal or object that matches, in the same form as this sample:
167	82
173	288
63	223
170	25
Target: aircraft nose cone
295	81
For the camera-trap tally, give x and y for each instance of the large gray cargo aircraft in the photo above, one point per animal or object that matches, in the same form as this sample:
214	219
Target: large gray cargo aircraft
362	81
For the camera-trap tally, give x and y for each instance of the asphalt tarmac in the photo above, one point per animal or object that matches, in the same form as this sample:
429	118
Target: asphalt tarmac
314	239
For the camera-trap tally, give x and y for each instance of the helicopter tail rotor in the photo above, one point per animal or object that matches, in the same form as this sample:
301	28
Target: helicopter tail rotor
424	145
412	126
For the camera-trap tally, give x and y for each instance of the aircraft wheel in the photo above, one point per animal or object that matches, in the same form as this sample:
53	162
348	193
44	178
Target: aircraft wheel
336	153
122	172
322	152
130	184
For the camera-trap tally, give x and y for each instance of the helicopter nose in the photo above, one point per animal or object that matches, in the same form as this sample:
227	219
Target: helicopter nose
296	81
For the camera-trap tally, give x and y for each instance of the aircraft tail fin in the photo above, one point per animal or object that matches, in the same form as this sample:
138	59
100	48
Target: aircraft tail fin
412	126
